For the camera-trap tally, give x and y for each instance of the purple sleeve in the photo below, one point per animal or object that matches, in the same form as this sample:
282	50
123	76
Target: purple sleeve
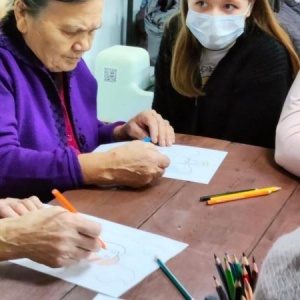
26	172
105	132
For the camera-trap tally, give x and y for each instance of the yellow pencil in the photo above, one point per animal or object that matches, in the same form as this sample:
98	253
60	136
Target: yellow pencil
243	195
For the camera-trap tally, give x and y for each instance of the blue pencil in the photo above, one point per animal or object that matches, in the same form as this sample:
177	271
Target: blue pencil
174	280
147	139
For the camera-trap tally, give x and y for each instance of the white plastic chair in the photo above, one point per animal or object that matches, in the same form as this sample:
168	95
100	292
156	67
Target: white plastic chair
123	75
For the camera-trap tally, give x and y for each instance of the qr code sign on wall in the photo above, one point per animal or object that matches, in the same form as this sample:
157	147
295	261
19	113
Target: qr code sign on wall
110	75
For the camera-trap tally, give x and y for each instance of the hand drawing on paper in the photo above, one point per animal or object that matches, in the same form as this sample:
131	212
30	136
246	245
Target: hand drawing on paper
188	163
127	261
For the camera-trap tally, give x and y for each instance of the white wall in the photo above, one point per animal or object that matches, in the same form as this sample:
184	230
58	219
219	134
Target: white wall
112	32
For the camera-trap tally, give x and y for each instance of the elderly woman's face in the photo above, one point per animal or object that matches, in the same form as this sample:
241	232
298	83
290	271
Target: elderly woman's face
61	33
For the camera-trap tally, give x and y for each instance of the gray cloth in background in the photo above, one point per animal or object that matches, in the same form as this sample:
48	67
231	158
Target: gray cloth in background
275	4
155	19
279	278
289	19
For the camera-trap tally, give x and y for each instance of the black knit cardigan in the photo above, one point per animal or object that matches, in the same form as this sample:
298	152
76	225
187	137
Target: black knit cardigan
244	95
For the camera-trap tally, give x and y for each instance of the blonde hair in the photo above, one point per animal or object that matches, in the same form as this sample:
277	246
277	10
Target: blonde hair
185	61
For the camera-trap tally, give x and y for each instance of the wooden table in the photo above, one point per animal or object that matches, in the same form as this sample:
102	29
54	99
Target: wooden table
172	208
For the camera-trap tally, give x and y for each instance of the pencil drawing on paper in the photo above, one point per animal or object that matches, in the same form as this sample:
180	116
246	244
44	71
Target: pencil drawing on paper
185	162
111	258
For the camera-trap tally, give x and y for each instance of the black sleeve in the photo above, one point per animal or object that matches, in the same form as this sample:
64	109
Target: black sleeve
162	73
259	94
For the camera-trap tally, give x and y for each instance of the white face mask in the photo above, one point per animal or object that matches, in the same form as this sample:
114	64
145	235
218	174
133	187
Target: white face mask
215	32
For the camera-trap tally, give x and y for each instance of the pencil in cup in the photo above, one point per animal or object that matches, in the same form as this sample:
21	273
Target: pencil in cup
248	289
237	267
67	205
221	272
234	274
238	290
254	273
242	195
245	263
229	279
220	290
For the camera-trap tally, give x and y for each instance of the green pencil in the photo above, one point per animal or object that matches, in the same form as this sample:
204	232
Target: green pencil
174	280
229	278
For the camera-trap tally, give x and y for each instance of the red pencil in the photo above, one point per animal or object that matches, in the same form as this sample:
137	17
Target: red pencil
245	275
245	262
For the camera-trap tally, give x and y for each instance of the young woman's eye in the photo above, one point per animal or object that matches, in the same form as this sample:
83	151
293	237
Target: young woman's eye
230	6
201	3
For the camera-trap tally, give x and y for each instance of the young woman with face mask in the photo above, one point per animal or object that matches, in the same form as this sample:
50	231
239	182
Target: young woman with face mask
224	70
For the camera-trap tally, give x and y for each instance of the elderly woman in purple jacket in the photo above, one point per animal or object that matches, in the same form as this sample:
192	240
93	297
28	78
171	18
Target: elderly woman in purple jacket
48	123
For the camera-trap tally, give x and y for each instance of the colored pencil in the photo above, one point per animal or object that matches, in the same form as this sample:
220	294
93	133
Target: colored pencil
243	195
229	279
254	273
248	288
247	296
174	280
220	290
238	290
222	274
237	267
245	275
245	262
66	204
208	197
231	266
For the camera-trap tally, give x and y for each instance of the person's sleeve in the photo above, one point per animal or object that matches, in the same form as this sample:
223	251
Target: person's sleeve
287	147
106	132
279	274
259	94
162	76
25	172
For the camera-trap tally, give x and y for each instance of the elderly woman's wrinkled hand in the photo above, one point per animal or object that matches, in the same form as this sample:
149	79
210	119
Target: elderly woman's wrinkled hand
133	164
12	207
147	123
50	236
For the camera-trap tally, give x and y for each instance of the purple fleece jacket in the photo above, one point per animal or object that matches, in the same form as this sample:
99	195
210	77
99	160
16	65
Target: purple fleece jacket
34	156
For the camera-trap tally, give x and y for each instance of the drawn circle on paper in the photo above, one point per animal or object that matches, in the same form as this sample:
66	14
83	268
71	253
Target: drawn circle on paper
109	256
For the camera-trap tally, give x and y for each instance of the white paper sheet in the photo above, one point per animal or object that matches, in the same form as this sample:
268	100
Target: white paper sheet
129	258
103	297
187	163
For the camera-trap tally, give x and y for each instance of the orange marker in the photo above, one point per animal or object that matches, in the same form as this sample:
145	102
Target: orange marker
66	204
